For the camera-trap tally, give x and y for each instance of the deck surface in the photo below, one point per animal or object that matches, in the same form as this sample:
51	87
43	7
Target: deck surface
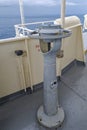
20	114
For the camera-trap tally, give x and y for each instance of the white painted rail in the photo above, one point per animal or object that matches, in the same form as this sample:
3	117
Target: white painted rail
24	29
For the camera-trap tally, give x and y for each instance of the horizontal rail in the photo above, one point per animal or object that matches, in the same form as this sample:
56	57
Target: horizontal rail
34	23
23	30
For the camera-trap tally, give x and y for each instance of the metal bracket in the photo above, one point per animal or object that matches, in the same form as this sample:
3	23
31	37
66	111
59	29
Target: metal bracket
60	54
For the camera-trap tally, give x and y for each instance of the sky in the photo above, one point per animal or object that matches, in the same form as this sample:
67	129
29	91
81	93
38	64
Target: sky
46	2
47	6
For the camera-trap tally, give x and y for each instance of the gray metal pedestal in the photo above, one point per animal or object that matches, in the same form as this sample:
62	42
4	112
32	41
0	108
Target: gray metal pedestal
50	121
50	115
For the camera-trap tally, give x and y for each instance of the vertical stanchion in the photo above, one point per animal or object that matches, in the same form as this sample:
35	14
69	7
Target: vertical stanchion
21	11
22	14
63	8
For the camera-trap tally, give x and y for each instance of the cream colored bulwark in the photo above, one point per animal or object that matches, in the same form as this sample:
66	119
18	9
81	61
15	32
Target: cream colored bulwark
36	60
10	74
17	73
73	45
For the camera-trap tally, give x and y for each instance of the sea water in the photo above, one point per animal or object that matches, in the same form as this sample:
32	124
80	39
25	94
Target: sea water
10	16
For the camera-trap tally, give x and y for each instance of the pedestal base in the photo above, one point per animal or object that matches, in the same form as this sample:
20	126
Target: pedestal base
50	121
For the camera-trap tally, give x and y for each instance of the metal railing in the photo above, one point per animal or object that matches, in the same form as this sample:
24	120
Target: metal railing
27	28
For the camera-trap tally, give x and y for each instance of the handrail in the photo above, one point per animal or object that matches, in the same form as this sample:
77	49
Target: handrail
22	30
34	23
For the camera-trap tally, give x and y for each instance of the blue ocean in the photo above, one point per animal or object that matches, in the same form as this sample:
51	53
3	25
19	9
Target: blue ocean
10	16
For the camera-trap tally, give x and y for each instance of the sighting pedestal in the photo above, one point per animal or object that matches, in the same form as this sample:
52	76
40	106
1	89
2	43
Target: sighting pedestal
50	114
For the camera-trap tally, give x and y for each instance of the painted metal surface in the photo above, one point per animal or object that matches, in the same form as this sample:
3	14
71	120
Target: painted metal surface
21	12
63	10
50	114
